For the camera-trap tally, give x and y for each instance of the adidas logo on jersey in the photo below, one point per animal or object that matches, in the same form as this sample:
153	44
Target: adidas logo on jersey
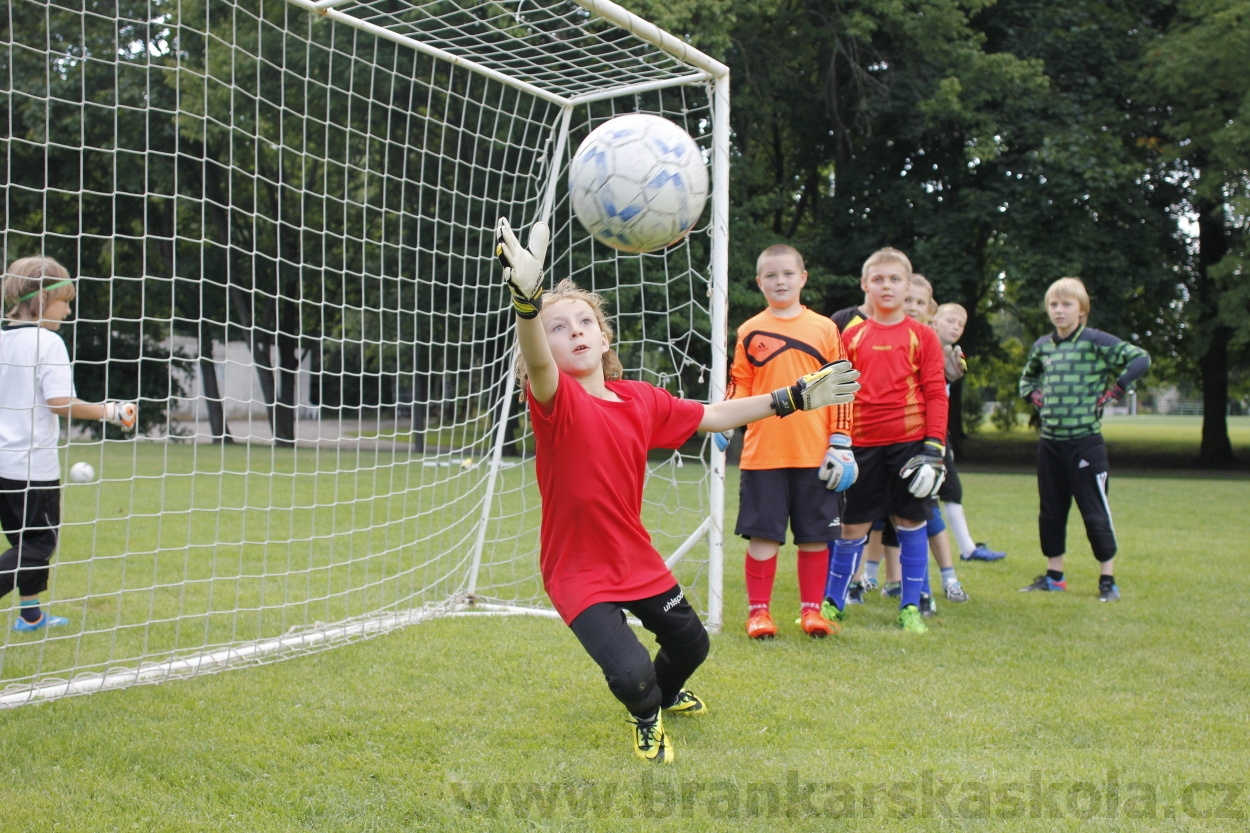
1084	464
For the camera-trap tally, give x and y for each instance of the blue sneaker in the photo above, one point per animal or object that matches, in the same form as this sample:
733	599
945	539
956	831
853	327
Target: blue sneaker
47	620
983	553
1108	592
1045	583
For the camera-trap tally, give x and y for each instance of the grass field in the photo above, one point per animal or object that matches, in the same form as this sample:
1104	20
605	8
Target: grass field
1140	442
1016	712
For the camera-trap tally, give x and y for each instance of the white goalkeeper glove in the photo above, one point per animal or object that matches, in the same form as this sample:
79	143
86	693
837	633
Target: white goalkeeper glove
833	384
927	470
121	413
523	267
722	439
839	469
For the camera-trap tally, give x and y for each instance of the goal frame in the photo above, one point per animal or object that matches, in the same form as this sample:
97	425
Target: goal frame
208	584
716	75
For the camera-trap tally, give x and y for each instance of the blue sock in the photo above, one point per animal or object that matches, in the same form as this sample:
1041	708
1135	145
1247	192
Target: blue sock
842	565
29	610
913	559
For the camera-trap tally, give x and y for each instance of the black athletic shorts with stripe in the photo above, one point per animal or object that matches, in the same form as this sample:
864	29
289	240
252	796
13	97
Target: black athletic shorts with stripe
1074	469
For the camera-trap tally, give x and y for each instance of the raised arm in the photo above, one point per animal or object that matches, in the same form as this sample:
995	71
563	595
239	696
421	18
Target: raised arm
523	274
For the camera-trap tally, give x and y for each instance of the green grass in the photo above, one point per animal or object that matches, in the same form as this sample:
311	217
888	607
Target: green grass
1016	712
1142	442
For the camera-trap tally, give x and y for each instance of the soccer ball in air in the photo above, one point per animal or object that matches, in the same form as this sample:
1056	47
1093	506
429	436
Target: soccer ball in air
638	183
81	473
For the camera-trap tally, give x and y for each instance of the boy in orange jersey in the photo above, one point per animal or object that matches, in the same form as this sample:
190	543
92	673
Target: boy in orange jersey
781	465
900	425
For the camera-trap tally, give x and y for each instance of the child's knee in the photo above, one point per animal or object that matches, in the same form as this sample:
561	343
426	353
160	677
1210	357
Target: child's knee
690	641
634	685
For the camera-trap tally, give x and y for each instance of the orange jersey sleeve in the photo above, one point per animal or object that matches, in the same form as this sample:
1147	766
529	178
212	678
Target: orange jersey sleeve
775	352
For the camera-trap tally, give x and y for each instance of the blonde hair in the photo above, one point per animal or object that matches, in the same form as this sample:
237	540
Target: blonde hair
566	290
30	282
778	250
918	279
951	308
887	255
1069	288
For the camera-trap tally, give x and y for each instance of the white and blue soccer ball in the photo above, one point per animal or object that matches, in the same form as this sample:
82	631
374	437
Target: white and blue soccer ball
638	183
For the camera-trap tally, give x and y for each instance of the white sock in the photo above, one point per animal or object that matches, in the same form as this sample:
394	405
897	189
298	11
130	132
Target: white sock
958	524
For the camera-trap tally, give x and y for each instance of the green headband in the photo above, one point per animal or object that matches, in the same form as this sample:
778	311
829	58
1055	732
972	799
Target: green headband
47	288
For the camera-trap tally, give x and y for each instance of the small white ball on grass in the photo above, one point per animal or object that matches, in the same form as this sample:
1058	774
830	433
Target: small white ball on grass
82	473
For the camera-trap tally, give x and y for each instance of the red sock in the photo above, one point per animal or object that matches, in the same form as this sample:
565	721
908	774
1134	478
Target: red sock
813	573
760	575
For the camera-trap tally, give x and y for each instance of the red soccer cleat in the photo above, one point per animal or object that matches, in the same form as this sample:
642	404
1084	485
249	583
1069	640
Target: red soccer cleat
760	625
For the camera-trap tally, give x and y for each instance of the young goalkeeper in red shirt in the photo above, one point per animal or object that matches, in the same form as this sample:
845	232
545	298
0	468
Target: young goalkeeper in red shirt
899	427
592	432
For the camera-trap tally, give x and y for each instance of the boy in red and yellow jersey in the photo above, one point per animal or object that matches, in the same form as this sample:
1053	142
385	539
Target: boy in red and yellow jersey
900	424
781	462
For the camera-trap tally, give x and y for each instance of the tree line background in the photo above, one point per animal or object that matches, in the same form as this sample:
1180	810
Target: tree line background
1000	144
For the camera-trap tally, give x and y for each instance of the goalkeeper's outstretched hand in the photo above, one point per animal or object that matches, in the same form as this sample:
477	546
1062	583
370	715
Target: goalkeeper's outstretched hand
927	470
124	414
833	384
839	469
523	266
722	439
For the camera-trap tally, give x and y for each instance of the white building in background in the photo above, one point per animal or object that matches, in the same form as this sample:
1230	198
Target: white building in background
237	383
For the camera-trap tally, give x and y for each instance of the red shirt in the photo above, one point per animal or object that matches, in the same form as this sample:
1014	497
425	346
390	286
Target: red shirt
902	394
591	461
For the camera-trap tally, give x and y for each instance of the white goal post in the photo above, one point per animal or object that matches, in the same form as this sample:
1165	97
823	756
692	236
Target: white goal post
279	215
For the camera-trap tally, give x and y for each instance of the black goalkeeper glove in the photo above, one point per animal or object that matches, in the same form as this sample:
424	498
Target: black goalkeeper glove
927	470
833	384
1114	395
523	267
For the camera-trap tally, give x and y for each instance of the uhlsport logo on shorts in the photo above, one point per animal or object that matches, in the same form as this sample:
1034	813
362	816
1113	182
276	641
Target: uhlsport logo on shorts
673	602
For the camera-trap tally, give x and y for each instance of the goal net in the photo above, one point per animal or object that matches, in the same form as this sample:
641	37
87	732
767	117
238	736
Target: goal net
280	216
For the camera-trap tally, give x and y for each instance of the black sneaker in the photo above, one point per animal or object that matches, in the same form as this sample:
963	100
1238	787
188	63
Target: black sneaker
1108	593
855	593
927	605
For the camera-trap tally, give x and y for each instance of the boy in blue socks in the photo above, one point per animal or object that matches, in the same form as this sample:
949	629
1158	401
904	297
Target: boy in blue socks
898	429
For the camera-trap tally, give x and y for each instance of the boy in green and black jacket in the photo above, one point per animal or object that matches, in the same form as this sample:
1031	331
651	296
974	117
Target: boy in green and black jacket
1070	376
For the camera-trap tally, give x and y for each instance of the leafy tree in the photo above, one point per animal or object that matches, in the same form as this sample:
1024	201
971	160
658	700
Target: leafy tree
1198	65
84	178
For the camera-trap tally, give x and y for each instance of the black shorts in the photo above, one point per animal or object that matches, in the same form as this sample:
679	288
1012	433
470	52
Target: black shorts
952	490
879	492
771	499
30	514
